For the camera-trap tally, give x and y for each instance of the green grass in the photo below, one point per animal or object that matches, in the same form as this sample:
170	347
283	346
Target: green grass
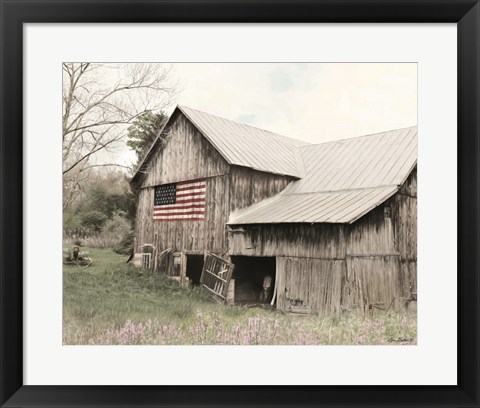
112	303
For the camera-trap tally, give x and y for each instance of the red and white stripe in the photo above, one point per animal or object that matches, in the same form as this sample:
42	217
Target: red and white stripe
190	203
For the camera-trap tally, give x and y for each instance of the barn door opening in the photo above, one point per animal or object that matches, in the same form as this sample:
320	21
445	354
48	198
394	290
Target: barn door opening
194	268
216	275
254	279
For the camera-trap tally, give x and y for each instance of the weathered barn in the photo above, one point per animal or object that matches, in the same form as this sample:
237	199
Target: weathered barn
255	216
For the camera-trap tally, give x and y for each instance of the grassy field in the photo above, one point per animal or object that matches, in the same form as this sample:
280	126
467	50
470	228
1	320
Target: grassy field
111	303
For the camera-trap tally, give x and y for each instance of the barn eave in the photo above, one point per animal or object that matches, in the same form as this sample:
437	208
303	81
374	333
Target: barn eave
335	207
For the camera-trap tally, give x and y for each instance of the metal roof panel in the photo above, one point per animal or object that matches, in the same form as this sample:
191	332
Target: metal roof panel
248	146
343	180
361	162
324	207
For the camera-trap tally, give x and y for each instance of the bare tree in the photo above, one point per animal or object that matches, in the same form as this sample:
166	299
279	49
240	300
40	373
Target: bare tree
100	101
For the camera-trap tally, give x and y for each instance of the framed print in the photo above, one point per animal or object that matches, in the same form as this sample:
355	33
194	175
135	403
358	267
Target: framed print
237	209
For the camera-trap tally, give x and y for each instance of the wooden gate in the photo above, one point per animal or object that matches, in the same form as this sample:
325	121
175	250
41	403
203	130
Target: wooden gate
216	275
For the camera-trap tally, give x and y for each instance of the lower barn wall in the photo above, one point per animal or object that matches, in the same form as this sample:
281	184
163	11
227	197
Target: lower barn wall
325	268
405	231
374	283
309	285
326	286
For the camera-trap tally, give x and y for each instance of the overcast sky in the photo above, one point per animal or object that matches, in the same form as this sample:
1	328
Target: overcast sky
311	102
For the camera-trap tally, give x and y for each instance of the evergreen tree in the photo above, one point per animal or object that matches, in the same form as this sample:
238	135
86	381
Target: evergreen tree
143	132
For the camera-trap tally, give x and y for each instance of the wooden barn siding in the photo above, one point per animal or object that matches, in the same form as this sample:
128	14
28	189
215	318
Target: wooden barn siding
405	227
373	275
143	223
376	281
293	240
405	209
389	246
375	256
187	155
410	185
194	236
372	234
306	285
249	186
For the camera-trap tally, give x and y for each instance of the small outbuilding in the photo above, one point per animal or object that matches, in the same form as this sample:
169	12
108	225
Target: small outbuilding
256	217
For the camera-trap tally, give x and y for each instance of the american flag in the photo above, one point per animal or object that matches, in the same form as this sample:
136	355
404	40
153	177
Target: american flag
180	201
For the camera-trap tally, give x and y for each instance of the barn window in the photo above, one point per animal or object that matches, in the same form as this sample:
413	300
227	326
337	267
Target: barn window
387	212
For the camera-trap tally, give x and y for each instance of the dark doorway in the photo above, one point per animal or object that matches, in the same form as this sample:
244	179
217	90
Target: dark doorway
194	268
254	279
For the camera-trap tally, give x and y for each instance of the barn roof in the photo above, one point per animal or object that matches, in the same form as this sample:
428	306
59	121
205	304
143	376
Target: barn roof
242	145
247	146
343	180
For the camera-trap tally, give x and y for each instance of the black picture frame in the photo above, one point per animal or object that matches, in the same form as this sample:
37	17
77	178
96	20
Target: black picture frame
465	13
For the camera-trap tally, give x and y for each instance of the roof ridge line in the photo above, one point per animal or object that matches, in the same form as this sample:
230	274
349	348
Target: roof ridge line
185	110
357	137
244	124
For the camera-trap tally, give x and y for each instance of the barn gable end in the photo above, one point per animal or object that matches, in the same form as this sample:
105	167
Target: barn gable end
185	155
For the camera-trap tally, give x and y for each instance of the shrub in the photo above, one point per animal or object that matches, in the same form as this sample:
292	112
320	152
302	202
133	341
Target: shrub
117	225
115	231
93	220
125	246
